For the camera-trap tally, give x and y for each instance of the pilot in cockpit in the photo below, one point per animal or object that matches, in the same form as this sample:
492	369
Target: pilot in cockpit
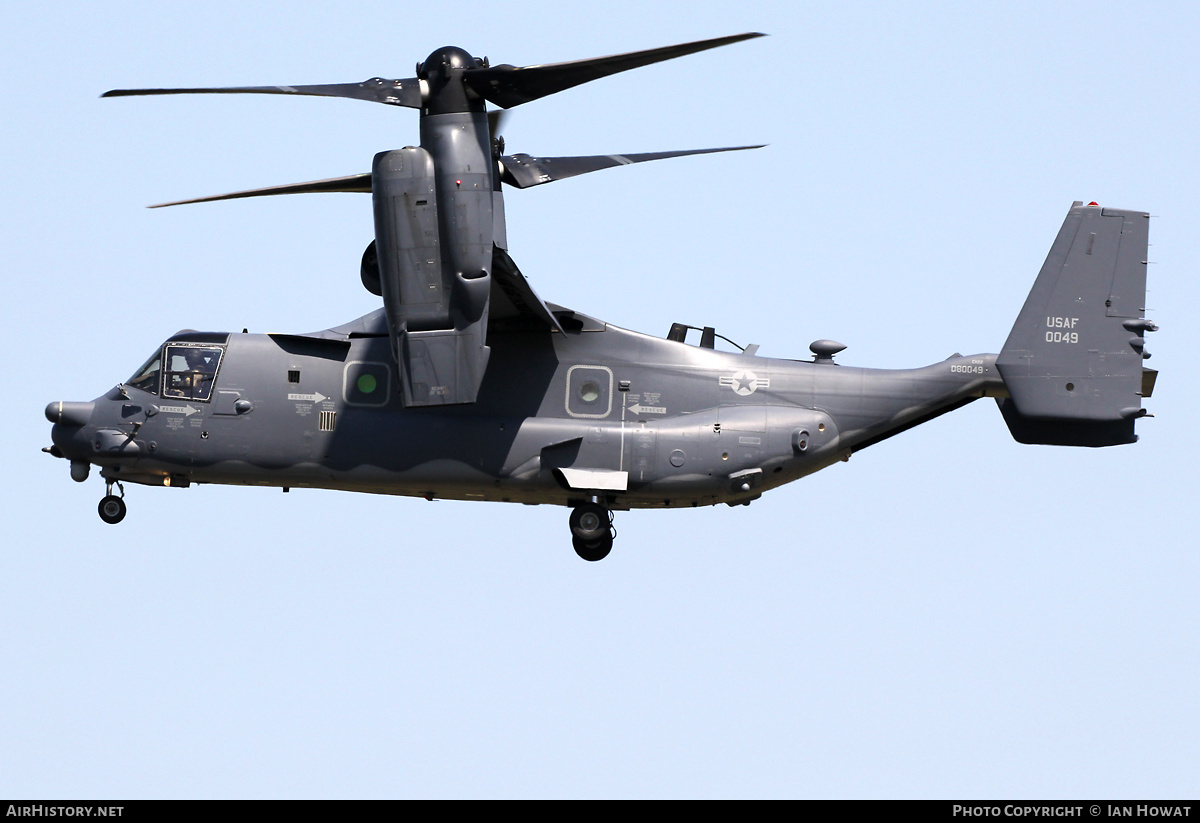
192	372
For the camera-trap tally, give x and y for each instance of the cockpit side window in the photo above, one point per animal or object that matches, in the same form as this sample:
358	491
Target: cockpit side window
189	370
146	378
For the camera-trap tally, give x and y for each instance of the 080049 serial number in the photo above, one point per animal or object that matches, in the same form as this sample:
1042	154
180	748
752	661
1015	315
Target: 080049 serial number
974	367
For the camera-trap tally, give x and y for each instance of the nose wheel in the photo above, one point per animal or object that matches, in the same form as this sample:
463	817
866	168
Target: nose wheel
592	532
112	508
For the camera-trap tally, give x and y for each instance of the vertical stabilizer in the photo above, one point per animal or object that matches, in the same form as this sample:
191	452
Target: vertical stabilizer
1072	363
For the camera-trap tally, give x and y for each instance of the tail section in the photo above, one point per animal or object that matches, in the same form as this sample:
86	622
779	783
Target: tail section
1072	363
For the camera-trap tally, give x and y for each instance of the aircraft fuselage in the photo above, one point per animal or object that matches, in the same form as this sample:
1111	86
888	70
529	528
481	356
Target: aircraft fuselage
598	413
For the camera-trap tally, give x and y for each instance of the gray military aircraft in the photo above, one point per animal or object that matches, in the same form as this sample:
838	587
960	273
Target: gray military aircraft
466	385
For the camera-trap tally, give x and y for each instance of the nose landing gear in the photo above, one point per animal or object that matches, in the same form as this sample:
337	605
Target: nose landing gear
112	508
592	532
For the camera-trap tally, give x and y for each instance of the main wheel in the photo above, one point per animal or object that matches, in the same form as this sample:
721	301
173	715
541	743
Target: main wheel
593	550
112	509
589	522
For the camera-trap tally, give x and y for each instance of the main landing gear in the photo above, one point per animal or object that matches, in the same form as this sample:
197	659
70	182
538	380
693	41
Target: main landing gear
112	508
592	532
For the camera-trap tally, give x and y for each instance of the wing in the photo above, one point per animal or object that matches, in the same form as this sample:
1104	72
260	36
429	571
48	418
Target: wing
514	303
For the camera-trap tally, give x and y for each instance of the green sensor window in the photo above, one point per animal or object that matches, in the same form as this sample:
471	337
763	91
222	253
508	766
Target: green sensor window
366	383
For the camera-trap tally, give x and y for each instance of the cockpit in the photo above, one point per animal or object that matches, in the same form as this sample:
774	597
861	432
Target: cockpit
181	368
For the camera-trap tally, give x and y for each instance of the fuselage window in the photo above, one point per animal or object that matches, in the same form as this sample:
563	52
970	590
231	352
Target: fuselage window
146	378
190	371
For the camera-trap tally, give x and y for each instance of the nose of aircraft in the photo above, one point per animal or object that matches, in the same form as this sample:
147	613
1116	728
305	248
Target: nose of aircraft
68	413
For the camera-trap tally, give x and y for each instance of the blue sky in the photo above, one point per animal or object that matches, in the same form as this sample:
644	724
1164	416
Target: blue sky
950	614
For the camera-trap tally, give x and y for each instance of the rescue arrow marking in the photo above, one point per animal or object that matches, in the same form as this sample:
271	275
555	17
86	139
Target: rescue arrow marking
188	410
310	398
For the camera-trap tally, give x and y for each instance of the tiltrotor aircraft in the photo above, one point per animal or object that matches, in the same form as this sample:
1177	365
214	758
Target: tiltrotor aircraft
466	385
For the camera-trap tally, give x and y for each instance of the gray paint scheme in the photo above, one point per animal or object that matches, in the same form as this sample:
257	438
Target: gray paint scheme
685	423
1073	361
530	421
466	385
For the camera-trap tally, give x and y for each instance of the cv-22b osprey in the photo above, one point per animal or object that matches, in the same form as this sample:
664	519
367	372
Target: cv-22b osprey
466	385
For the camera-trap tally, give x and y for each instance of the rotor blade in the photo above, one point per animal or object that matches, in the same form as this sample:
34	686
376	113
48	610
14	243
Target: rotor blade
496	119
376	90
509	86
355	183
523	171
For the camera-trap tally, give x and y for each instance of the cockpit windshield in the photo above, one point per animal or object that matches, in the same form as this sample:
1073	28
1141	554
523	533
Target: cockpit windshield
179	370
146	378
189	371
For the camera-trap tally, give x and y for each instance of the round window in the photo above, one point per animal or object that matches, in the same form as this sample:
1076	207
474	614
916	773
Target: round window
589	391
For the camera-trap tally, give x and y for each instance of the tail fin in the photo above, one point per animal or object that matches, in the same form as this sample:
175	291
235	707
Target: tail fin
1072	363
